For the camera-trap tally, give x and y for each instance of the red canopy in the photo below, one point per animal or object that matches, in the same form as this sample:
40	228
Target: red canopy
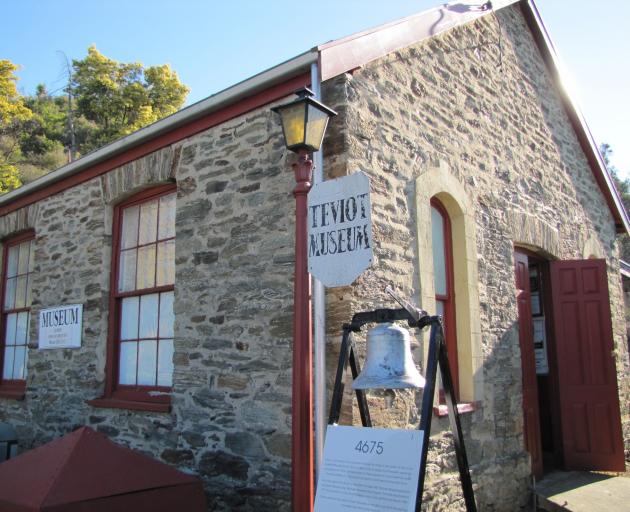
85	471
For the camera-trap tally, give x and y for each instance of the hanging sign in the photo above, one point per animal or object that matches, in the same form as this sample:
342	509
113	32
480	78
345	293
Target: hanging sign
369	469
340	229
61	327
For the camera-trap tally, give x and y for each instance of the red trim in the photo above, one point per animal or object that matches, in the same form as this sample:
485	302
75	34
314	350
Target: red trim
208	121
11	388
113	403
113	392
450	318
302	489
442	410
15	389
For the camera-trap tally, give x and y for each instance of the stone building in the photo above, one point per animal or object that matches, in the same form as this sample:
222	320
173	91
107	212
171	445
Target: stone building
178	243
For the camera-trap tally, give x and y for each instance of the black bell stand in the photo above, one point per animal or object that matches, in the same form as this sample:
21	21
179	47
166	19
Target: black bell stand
437	357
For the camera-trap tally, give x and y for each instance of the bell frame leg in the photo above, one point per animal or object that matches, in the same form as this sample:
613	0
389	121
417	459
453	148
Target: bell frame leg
427	406
456	428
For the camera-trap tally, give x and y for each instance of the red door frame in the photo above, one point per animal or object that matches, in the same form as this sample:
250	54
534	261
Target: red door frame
531	414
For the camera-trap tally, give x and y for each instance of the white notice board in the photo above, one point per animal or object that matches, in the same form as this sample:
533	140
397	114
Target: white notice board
369	470
61	326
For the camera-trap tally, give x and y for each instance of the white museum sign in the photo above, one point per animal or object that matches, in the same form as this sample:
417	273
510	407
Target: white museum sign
61	327
340	229
369	469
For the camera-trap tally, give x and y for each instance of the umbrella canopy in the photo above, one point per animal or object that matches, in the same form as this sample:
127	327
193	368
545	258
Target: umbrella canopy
85	471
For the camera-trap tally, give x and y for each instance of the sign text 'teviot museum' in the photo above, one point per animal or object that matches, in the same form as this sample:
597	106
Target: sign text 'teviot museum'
340	229
60	327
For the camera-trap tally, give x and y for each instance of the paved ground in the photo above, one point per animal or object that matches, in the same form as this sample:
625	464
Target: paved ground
578	491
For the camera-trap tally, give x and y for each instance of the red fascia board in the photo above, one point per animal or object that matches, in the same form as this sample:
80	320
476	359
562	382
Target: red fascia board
582	131
354	51
208	121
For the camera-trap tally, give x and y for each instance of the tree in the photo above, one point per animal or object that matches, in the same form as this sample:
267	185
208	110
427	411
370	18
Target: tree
623	187
13	112
119	98
104	100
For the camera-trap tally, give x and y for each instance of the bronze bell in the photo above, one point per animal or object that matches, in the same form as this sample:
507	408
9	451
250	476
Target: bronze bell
389	363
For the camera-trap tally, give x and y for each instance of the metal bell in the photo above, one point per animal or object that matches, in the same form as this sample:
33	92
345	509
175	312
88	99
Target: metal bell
389	363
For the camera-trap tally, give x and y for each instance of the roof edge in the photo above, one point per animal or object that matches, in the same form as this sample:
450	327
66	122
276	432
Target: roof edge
232	94
356	50
585	137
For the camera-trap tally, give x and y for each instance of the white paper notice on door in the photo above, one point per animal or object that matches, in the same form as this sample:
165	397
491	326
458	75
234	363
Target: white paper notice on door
369	470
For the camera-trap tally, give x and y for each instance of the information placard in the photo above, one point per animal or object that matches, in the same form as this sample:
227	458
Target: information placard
60	327
369	470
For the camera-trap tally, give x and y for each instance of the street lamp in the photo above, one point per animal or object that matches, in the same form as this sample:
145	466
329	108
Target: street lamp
304	123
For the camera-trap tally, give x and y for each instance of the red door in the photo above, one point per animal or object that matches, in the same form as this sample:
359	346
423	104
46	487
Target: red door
589	403
528	363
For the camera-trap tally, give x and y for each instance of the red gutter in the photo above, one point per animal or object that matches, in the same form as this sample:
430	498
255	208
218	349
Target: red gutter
215	118
582	131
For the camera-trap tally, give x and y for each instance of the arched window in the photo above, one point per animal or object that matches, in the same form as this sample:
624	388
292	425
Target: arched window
442	246
140	348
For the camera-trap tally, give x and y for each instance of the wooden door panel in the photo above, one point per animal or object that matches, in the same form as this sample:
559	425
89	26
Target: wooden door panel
591	423
531	414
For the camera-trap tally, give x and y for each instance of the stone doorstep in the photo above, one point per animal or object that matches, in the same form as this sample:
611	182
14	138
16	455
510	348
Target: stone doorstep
580	491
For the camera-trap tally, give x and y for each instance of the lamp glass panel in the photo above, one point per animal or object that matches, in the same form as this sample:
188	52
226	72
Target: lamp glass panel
293	123
315	127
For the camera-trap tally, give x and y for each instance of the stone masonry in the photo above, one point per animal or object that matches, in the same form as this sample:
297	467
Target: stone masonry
478	105
475	105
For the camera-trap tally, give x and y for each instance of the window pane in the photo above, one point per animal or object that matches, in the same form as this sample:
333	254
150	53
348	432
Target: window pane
439	260
128	363
129	319
23	258
129	235
165	363
149	316
146	267
18	364
31	256
10	332
7	372
12	263
127	271
167	217
20	293
29	295
9	294
147	362
148	222
439	308
165	263
166	315
22	328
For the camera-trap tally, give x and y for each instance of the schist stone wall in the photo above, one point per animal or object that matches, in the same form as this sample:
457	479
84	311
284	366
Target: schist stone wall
471	112
231	399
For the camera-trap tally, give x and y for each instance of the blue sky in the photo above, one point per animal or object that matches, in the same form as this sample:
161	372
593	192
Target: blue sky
214	44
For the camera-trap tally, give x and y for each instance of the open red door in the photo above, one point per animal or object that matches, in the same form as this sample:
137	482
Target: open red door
589	403
528	363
